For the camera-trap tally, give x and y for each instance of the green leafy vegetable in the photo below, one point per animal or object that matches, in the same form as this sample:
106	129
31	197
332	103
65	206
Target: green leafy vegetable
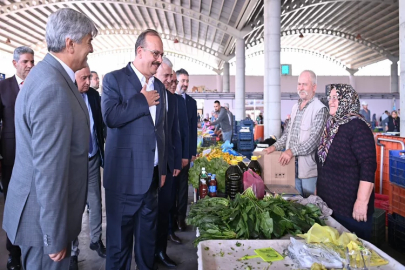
248	218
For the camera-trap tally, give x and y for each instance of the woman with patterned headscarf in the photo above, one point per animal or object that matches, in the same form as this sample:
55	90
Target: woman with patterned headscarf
347	162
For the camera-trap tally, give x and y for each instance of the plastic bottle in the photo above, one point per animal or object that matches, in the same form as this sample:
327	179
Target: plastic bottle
255	165
212	187
233	180
241	164
203	189
208	178
203	174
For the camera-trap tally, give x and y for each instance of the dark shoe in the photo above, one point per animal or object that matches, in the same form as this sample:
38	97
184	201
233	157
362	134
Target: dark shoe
99	247
165	260
13	263
73	263
174	238
182	224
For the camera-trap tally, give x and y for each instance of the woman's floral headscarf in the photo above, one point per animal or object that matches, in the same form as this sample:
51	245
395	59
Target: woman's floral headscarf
348	109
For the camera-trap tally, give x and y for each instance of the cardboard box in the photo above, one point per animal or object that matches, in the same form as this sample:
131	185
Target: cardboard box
273	172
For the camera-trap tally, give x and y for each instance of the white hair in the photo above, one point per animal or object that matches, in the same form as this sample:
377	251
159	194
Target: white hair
67	23
312	74
166	61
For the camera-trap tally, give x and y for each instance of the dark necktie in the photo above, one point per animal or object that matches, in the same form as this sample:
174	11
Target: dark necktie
90	140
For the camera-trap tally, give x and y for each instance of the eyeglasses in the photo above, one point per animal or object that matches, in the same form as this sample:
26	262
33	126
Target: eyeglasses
176	82
155	54
333	98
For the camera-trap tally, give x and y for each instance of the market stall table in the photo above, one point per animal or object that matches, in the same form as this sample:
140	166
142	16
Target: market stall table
224	254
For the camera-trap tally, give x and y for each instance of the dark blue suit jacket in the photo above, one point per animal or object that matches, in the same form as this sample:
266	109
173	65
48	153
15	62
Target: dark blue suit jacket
192	125
132	135
174	153
95	104
183	127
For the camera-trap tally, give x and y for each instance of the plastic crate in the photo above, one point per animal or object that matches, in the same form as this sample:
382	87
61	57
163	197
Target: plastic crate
397	167
397	199
245	136
247	123
246	145
378	234
396	231
382	201
208	141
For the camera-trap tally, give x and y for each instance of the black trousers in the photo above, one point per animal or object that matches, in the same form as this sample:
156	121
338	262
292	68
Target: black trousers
165	204
130	216
182	192
6	171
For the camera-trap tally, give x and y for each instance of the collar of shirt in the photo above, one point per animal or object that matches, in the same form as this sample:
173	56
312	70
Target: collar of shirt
68	70
184	95
306	105
19	80
142	78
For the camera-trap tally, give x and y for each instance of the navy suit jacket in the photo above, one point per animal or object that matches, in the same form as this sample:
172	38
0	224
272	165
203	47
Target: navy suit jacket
183	127
95	104
192	125
132	135
174	153
8	94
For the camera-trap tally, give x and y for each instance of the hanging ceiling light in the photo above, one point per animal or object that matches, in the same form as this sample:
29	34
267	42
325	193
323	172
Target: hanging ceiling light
176	40
358	36
8	41
301	35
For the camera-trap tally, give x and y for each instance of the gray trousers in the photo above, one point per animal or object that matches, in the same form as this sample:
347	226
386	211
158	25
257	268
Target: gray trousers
94	201
34	258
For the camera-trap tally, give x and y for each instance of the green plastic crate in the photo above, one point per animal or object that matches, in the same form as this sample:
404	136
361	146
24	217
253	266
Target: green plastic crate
378	235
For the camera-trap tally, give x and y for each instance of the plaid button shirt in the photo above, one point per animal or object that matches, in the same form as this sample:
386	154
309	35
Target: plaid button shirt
307	147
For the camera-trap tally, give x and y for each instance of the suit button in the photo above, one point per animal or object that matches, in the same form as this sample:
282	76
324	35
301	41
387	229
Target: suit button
155	129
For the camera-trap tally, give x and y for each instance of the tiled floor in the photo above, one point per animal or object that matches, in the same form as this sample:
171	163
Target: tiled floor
185	255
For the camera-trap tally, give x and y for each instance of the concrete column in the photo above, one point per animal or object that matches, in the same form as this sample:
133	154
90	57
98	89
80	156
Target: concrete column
240	80
352	78
272	75
394	77
219	83
225	78
402	61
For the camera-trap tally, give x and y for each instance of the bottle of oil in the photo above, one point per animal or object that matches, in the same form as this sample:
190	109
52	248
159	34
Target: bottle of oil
203	189
233	180
241	164
212	187
255	165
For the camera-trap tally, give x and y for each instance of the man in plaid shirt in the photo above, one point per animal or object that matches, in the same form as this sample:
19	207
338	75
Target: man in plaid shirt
302	135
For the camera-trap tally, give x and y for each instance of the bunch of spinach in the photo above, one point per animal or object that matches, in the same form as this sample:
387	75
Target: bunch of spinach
246	217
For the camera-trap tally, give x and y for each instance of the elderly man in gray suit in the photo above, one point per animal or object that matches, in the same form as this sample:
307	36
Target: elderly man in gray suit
48	187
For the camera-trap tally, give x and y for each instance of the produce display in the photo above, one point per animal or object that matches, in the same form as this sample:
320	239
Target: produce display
246	217
217	165
217	153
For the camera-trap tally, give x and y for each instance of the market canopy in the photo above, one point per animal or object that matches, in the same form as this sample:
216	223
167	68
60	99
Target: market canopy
353	33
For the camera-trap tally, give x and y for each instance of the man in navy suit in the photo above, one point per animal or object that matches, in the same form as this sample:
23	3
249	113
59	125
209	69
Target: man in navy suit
191	110
173	146
134	110
96	157
23	61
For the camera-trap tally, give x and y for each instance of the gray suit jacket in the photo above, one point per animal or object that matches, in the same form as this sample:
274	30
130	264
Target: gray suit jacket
48	187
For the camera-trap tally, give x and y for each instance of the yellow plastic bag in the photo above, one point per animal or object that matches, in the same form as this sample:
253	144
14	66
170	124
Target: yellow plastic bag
321	234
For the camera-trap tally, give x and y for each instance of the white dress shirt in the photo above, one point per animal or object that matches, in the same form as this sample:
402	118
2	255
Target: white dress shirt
68	70
19	81
152	109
